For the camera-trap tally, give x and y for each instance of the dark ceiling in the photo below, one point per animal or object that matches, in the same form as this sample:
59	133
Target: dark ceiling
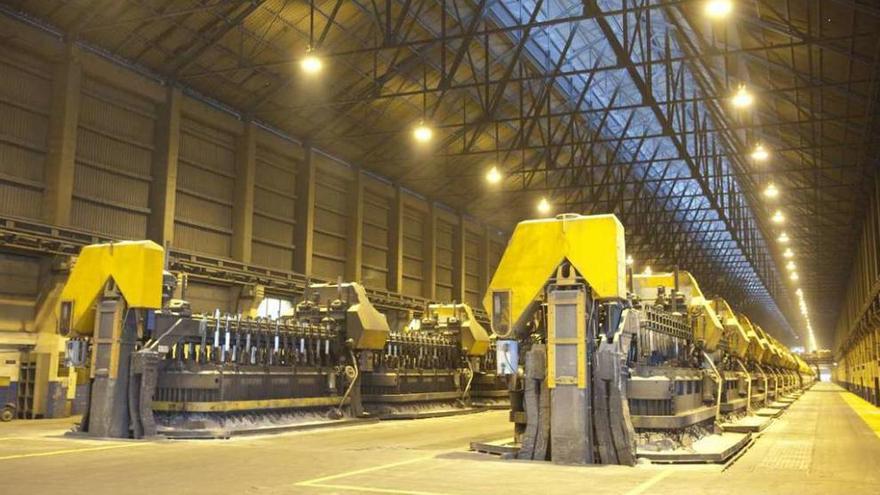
601	106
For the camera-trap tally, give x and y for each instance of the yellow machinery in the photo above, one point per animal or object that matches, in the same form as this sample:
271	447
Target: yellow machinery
132	268
605	370
558	294
106	297
593	246
459	318
707	327
475	369
755	350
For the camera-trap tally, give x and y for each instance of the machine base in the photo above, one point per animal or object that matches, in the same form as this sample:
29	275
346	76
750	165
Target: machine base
712	449
220	433
748	424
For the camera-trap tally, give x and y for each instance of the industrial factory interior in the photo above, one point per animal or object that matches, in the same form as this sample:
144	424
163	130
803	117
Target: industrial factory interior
439	247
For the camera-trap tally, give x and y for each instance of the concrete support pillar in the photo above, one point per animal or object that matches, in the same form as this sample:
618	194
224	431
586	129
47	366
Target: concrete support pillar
458	260
61	155
429	253
243	201
354	247
395	242
304	231
163	191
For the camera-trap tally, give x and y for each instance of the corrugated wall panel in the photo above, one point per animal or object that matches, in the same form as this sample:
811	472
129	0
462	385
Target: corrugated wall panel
374	269
496	250
472	261
274	199
205	298
413	248
331	225
205	184
19	290
25	93
445	240
113	157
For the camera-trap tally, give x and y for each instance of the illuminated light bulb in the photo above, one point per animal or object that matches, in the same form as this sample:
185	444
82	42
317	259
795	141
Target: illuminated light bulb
794	276
629	260
790	266
742	98
718	9
772	191
648	270
544	206
311	64
760	154
493	176
778	217
422	133
783	238
788	253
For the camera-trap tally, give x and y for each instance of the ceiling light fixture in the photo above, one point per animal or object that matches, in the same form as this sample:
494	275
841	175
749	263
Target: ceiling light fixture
311	63
742	98
760	154
648	270
790	266
543	206
788	253
772	191
629	260
778	217
422	132
718	9
493	176
794	276
783	238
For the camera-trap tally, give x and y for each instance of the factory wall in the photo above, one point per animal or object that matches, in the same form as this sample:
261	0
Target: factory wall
858	327
88	143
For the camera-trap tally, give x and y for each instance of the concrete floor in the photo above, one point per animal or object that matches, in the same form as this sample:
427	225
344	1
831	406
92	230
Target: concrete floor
820	445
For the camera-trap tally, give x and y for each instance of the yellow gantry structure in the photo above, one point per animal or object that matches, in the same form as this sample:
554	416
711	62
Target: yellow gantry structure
593	245
708	328
736	334
755	349
474	338
135	267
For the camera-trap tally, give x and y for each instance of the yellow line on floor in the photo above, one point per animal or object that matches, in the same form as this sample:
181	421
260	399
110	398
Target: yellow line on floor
867	411
368	489
657	478
346	474
71	451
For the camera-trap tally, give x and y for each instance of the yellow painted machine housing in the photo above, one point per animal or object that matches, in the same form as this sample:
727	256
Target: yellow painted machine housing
593	245
755	351
765	344
786	358
736	335
803	367
136	268
775	352
708	328
364	324
474	338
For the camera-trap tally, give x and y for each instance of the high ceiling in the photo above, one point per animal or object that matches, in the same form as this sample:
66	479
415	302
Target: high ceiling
598	105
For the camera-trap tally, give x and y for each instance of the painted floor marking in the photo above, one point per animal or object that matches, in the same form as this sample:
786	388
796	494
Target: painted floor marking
71	451
322	482
657	478
869	413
